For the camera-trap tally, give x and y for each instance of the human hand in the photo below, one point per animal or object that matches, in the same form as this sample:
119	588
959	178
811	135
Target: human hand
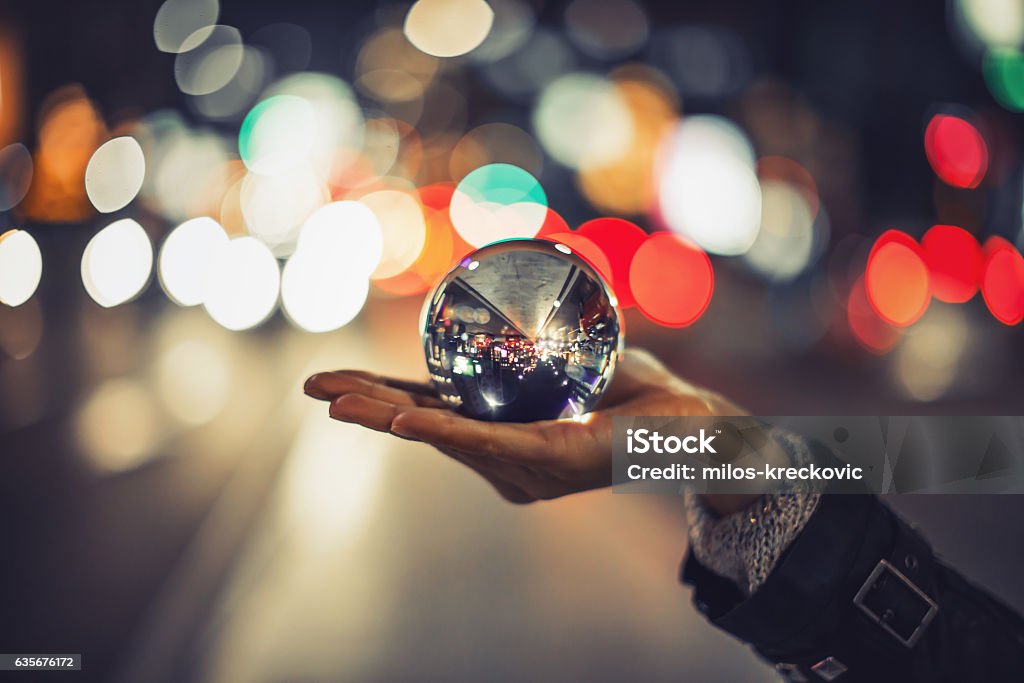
531	461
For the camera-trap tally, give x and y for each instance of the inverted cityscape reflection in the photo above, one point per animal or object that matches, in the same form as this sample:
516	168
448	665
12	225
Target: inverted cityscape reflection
521	330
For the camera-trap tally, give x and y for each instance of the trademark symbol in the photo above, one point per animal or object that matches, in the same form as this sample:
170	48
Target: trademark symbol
718	431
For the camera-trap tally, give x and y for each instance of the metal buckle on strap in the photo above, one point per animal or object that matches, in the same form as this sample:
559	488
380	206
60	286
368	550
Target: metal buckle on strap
905	622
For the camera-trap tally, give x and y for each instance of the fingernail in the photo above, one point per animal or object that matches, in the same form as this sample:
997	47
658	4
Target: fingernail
311	389
397	429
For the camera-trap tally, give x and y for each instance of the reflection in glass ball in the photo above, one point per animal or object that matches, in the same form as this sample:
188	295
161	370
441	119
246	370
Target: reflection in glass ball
521	330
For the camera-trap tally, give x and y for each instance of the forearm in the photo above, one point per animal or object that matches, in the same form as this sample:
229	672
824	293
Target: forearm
855	589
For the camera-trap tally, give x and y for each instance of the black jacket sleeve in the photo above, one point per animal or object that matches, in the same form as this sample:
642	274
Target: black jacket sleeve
860	596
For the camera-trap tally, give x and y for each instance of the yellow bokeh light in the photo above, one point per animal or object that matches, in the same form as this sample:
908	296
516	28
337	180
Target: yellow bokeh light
403	227
118	427
193	379
448	28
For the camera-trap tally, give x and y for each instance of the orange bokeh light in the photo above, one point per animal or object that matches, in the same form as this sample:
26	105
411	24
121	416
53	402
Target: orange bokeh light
896	279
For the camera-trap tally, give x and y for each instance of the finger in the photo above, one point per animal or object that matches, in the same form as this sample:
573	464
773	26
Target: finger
422	388
445	429
330	385
363	410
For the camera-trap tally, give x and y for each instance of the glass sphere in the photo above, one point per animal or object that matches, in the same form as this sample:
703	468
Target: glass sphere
521	330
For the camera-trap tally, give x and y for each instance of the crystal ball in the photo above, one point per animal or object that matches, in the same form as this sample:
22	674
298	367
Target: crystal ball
521	330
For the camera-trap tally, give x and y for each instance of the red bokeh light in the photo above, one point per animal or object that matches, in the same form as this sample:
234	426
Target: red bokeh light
956	151
955	262
672	279
896	279
618	239
588	251
872	332
553	223
1002	284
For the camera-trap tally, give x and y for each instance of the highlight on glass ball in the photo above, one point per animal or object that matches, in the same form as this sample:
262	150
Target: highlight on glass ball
521	330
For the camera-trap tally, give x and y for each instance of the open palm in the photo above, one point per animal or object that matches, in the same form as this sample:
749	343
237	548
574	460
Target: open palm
524	462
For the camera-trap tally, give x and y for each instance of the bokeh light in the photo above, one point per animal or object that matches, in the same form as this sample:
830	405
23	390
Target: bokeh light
582	120
708	190
305	121
618	239
1004	74
390	69
989	23
626	185
275	206
870	330
588	250
672	280
186	256
317	295
896	279
443	246
545	57
496	202
350	232
448	28
118	426
402	225
1002	284
187	169
70	130
193	380
178	20
493	143
208	59
607	29
115	174
231	100
21	267
513	22
955	262
117	263
928	356
242	287
956	151
785	243
15	174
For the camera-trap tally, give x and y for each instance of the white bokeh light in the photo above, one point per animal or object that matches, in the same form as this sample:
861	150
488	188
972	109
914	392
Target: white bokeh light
318	296
21	267
209	59
784	247
275	206
348	231
242	286
583	121
115	174
708	189
117	263
187	256
176	20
